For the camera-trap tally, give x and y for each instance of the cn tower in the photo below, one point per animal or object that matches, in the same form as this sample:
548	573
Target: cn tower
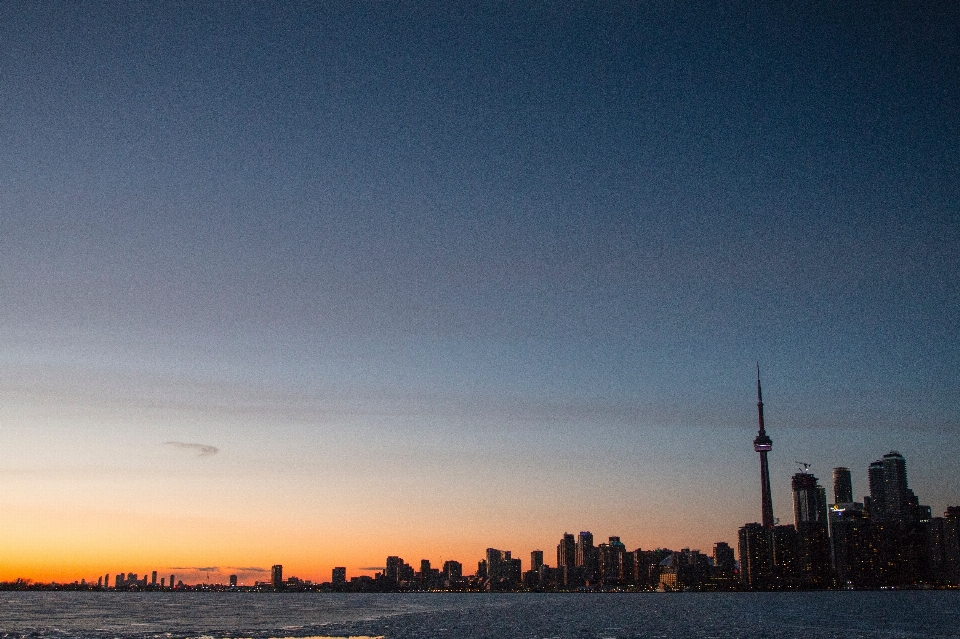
762	444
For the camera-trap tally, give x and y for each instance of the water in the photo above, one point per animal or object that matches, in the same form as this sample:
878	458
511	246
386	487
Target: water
847	615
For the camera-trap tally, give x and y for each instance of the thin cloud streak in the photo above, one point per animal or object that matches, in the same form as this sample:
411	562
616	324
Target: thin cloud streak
203	450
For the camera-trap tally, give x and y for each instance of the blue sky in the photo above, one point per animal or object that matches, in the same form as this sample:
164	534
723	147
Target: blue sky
516	238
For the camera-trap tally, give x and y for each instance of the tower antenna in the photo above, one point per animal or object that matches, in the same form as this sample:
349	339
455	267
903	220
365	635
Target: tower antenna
763	444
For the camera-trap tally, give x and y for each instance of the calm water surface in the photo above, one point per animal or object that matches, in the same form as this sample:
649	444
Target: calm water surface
838	615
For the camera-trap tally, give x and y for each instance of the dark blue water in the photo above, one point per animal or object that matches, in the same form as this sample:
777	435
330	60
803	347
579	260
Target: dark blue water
838	615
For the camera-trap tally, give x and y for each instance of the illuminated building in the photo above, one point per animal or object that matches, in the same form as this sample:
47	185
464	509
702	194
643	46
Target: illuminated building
756	555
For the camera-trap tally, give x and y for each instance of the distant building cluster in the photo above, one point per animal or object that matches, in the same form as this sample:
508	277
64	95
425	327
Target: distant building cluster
581	565
887	541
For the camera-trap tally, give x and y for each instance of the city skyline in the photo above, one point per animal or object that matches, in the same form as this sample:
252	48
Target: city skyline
804	489
295	285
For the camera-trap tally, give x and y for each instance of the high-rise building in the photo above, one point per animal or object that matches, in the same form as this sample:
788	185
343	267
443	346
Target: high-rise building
584	548
567	551
339	576
895	490
536	559
586	557
842	486
392	570
452	570
951	544
810	516
171	581
809	500
610	568
787	571
153	578
878	498
756	555
233	581
723	560
763	444
276	576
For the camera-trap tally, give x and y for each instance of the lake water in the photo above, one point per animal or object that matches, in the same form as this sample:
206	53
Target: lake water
846	615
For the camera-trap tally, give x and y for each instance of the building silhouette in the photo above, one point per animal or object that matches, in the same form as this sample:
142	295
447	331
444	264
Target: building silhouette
762	444
810	519
276	576
842	486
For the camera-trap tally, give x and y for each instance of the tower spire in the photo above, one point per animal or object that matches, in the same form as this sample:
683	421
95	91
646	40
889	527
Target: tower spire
760	402
763	444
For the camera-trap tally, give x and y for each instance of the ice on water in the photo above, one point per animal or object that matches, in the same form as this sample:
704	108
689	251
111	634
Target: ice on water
806	615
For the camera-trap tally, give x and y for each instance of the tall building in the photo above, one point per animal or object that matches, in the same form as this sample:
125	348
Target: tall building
763	444
809	499
452	570
276	576
810	517
951	544
153	578
502	569
566	559
339	576
610	564
878	497
536	560
567	551
842	486
233	581
895	489
756	555
723	563
584	548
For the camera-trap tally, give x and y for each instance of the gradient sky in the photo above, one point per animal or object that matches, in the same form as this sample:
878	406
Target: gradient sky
433	277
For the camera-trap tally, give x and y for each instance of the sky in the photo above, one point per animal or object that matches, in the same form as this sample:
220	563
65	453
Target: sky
322	283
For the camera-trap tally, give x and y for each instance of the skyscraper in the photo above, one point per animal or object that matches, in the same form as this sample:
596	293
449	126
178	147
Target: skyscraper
810	516
878	499
842	486
276	576
567	551
393	568
536	559
809	499
895	489
756	555
566	559
763	444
